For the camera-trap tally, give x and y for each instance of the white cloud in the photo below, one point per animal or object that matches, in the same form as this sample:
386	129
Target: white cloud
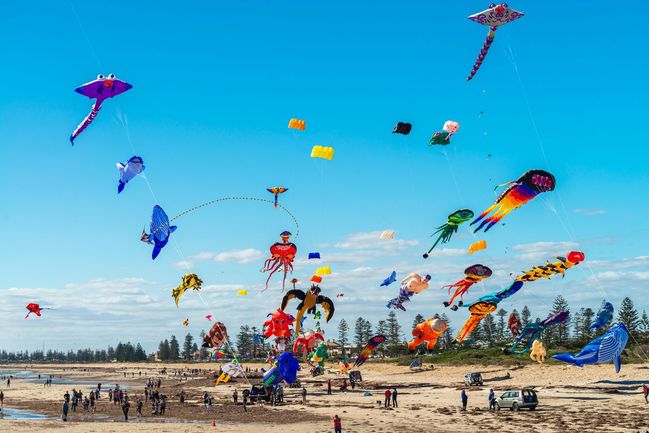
543	250
183	264
242	257
372	240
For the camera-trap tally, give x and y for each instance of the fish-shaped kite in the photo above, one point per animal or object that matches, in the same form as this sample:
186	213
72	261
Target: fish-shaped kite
391	279
160	231
604	316
277	190
608	347
133	167
100	89
494	17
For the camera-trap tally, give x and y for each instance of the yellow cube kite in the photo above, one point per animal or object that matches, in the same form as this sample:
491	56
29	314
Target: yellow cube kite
323	152
325	270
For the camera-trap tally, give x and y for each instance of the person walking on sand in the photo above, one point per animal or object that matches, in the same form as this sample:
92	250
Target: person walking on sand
645	391
303	395
2	399
492	400
394	398
125	407
465	400
66	407
139	407
8	382
92	400
329	387
387	394
337	424
235	396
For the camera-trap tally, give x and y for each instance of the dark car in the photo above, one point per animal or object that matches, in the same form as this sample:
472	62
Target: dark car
259	392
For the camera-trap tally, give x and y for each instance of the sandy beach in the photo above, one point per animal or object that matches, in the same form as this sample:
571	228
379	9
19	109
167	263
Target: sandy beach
571	399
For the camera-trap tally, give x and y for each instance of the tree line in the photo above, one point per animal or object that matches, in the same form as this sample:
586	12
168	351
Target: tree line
123	352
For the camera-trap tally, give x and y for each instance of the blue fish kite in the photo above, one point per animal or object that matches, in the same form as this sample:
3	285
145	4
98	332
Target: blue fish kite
391	279
128	171
160	231
608	347
604	316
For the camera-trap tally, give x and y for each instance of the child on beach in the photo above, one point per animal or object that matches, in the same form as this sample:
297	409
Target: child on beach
337	424
645	391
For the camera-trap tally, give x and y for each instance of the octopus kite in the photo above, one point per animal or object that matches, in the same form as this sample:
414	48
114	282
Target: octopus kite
190	281
446	230
517	194
494	17
308	305
279	326
559	267
277	190
427	332
282	256
533	331
473	274
100	89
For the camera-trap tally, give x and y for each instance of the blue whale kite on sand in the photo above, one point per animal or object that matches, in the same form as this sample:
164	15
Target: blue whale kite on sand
608	347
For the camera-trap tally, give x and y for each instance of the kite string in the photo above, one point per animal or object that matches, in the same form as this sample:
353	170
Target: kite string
85	34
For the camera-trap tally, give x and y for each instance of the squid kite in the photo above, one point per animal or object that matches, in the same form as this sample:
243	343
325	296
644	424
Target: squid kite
533	331
308	303
369	348
190	281
133	167
160	231
494	17
276	190
473	274
427	332
446	230
559	267
282	256
100	89
36	309
444	138
518	193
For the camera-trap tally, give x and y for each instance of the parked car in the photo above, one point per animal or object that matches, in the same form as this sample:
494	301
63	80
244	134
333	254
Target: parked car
259	392
518	399
473	379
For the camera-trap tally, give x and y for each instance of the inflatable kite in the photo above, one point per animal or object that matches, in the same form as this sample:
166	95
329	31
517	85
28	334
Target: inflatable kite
427	332
100	89
319	355
343	367
186	322
308	303
276	190
242	292
307	342
444	137
446	230
473	274
190	281
533	331
391	279
297	124
284	369
323	152
517	194
402	128
559	267
369	348
230	370
313	256
514	325
279	326
494	17
411	285
316	279
217	354
217	336
608	347
387	234
282	256
325	270
477	246
133	167
604	316
208	317
538	352
160	231
36	309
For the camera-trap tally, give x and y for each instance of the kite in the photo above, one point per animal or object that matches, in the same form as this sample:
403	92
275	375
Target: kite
100	89
343	367
284	369
297	124
209	317
369	348
427	332
391	279
450	127
217	354
538	352
477	246
533	331
319	355
339	295
313	256
133	167
36	309
186	322
316	279
323	152
494	17
387	234
278	326
514	324
604	316
549	269
402	128
190	281
411	285
608	347
473	274
230	370
276	190
325	270
282	256
217	336
308	303
242	292
519	192
446	230
307	342
160	231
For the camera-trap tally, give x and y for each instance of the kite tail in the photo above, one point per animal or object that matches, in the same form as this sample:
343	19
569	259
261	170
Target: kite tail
87	121
483	52
468	327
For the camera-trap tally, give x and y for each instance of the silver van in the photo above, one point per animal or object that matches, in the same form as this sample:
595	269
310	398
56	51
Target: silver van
518	399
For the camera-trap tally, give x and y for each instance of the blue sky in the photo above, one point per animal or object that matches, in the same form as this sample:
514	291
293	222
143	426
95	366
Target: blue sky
215	84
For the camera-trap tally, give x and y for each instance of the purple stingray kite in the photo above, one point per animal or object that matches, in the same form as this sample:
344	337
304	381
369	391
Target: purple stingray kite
493	17
100	89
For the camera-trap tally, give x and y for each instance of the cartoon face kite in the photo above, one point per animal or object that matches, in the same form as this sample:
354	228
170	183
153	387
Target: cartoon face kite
100	89
444	137
217	336
473	274
190	281
282	256
133	167
446	230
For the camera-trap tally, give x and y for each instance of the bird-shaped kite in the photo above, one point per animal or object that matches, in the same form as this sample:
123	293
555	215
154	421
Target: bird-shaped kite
276	190
128	171
308	303
36	309
446	230
494	17
190	281
100	89
473	274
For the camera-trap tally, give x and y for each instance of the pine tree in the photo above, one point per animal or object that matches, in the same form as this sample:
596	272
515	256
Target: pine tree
367	330
163	350
644	324
343	336
187	347
447	336
394	329
140	354
629	316
489	329
577	324
559	333
501	327
359	333
525	316
587	315
418	319
204	353
244	341
174	349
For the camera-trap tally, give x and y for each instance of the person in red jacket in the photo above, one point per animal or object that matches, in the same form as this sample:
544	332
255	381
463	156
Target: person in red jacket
387	394
337	424
645	391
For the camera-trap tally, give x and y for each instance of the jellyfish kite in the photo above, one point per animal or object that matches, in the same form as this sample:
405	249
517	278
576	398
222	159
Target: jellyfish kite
494	17
473	274
100	89
533	331
282	256
518	193
446	230
276	190
160	231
